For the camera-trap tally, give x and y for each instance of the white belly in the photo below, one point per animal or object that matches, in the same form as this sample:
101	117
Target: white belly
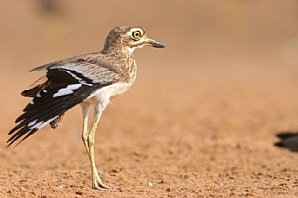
105	93
114	89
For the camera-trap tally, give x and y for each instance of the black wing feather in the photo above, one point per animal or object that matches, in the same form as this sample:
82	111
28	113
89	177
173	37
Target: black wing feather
46	107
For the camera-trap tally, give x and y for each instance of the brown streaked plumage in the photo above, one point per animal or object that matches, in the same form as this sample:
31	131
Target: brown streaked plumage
90	80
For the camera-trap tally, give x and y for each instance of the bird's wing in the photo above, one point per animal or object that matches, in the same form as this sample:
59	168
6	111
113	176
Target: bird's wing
93	65
69	83
35	87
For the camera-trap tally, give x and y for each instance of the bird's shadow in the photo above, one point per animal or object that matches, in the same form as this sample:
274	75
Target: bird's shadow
288	139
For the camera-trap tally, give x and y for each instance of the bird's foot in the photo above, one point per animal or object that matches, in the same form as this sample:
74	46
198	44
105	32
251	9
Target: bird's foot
101	186
98	184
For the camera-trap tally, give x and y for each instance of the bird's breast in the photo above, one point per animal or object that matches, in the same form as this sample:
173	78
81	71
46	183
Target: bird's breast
116	89
109	91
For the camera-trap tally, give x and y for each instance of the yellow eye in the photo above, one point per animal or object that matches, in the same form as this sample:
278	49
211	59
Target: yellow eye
136	35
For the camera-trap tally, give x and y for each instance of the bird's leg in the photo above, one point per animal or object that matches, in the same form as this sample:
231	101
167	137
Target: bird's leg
85	110
96	181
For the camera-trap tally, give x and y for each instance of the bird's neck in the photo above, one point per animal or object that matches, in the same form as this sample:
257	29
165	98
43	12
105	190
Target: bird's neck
119	52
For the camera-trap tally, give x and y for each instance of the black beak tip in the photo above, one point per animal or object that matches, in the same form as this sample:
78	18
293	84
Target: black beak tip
158	45
162	46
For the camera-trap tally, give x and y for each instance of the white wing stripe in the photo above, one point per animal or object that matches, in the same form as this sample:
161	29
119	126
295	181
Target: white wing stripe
32	123
68	90
40	124
79	79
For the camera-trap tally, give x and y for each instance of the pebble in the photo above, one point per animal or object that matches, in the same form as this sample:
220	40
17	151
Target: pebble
79	193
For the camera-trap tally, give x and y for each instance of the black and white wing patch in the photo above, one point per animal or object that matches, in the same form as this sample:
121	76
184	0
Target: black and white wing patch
65	89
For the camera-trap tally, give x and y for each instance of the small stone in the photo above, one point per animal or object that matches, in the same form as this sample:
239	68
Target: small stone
23	180
79	193
114	170
168	189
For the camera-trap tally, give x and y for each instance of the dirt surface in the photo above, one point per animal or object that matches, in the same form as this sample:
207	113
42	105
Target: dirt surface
200	121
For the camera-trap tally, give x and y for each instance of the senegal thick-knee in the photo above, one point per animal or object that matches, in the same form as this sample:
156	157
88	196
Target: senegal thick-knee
90	80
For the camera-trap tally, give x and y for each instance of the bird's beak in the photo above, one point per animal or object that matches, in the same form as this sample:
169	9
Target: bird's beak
153	43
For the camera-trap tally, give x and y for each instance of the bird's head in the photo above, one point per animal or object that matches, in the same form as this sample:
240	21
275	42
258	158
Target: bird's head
129	38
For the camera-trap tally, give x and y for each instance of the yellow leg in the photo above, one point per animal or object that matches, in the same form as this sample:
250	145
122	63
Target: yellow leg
96	181
85	109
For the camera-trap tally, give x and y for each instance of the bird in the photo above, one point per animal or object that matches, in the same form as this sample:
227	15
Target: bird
89	80
288	139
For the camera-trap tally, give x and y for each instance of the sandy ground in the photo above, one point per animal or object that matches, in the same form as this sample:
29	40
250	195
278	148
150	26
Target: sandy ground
191	126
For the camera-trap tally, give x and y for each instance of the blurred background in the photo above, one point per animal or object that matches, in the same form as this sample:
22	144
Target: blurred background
234	37
225	84
213	44
243	40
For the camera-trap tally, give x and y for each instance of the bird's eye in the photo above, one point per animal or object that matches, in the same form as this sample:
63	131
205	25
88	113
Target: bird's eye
136	35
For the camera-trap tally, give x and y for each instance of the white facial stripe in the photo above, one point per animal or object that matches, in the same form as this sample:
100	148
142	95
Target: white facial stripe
140	43
68	90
